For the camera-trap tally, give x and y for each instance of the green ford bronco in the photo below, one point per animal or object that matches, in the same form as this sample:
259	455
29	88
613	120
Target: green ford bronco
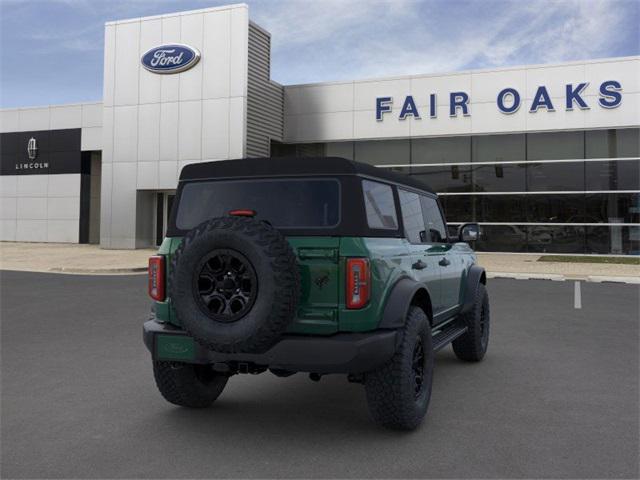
318	265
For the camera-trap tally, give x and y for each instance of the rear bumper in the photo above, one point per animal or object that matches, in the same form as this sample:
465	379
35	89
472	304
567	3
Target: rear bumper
339	353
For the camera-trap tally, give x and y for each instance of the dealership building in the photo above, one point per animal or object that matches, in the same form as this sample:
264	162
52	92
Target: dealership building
546	158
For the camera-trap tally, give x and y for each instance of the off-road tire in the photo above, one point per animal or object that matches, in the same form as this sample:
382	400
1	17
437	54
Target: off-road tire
276	273
472	345
390	390
187	385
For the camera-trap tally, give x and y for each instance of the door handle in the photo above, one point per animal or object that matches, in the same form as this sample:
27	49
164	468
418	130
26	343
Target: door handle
419	265
444	262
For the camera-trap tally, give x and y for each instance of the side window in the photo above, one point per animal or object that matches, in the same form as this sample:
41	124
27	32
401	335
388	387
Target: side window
412	216
381	209
433	220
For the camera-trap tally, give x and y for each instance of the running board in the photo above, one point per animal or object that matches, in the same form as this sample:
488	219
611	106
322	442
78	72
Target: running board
446	335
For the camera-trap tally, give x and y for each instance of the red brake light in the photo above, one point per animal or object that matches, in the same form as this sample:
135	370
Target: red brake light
156	277
242	212
358	277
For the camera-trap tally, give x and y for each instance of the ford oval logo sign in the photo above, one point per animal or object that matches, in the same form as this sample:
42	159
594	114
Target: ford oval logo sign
171	58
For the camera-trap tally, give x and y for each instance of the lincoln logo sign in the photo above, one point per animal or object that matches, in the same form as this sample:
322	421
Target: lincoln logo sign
508	101
172	58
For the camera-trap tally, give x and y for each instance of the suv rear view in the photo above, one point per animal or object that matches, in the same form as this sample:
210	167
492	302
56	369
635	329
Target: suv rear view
318	266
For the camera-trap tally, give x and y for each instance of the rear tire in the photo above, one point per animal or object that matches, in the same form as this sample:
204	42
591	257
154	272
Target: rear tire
187	385
398	393
472	346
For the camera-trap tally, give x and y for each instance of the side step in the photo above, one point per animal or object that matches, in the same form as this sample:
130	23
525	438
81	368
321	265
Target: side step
447	334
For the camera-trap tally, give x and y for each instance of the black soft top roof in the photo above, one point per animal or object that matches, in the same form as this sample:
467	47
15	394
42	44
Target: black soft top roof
294	166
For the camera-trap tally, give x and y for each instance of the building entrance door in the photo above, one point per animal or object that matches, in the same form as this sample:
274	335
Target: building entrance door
164	202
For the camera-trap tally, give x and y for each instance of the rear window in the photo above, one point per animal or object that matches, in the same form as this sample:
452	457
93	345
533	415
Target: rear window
285	203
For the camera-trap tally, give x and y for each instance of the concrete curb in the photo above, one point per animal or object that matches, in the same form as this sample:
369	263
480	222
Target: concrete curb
561	278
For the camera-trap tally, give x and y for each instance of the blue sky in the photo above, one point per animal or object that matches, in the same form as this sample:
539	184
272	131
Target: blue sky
51	51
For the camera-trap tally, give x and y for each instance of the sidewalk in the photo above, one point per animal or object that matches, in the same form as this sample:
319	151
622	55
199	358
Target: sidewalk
71	258
91	259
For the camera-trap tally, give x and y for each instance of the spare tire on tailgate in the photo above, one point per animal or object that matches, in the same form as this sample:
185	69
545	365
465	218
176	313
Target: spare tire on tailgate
234	284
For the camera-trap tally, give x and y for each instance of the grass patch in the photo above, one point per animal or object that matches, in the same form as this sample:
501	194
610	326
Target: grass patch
587	259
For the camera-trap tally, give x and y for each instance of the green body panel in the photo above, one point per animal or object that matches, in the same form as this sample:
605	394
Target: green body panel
322	262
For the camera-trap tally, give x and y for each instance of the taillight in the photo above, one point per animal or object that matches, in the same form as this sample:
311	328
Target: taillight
357	294
156	277
242	212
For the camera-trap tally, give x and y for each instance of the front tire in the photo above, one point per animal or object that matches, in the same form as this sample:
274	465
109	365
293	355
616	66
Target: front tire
472	346
398	393
187	385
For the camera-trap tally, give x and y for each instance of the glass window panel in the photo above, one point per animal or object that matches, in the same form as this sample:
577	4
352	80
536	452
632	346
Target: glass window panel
555	145
502	238
556	239
458	208
501	208
613	143
499	148
567	208
312	203
499	178
412	217
613	207
435	228
441	150
542	177
380	207
454	178
339	149
613	175
383	152
613	240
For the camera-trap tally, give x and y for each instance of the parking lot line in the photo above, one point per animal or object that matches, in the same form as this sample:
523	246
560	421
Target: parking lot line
577	295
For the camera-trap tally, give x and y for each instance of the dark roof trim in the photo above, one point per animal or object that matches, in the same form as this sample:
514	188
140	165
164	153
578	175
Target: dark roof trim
289	166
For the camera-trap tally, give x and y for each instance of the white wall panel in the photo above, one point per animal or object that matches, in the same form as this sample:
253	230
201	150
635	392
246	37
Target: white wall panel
215	129
91	115
65	116
216	63
91	138
31	230
238	60
422	86
63	208
34	119
170	84
31	208
127	63
149	132
8	230
190	130
123	200
64	185
63	231
109	68
9	120
8	208
323	99
167	175
32	185
169	131
125	134
8	185
554	78
485	86
192	35
147	175
150	36
237	127
626	72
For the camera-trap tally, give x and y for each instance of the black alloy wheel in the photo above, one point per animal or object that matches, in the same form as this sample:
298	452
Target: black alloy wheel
225	285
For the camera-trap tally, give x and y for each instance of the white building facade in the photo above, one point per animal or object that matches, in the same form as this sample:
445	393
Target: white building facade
545	157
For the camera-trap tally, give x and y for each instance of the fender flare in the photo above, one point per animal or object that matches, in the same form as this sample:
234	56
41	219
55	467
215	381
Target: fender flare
400	299
475	276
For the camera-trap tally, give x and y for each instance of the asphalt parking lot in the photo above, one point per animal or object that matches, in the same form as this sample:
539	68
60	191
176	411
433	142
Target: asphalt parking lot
557	396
